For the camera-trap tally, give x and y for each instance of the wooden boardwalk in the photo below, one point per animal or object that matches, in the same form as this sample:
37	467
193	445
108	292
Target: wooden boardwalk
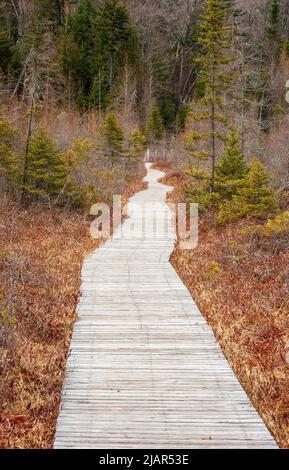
144	370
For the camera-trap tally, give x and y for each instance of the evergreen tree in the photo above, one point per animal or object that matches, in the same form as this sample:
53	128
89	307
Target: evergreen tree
182	116
215	40
112	139
81	190
232	168
273	19
115	41
137	146
94	46
114	30
57	13
46	173
230	174
254	198
79	54
274	39
232	164
163	90
199	191
7	49
154	126
79	154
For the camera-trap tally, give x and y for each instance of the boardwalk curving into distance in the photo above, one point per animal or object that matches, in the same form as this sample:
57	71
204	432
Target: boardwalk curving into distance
144	370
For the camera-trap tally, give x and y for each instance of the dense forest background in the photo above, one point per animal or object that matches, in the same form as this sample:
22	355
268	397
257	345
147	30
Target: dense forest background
65	65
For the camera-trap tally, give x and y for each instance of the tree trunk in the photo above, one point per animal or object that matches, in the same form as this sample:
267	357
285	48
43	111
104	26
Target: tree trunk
25	168
99	93
213	127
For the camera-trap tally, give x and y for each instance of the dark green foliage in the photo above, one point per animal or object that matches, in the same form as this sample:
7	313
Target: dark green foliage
56	13
200	89
46	173
201	195
273	19
274	30
199	191
114	29
28	44
232	168
79	51
164	93
182	116
10	61
286	46
213	82
112	139
93	50
254	197
115	40
154	126
230	174
137	147
167	106
9	163
232	164
6	51
88	46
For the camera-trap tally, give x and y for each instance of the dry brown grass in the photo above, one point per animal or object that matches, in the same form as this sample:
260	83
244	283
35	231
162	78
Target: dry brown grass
175	178
44	252
134	185
162	165
242	287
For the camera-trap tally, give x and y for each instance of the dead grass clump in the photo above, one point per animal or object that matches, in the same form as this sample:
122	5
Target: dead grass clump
174	178
162	165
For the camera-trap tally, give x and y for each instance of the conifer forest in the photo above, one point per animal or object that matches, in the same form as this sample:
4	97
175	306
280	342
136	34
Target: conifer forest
89	91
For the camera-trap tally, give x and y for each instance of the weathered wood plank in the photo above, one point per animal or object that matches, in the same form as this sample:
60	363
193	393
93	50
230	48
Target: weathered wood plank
144	370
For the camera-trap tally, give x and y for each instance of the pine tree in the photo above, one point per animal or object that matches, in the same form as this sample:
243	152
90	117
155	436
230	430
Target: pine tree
79	55
232	168
6	48
154	126
214	40
57	13
94	46
46	173
275	39
163	91
78	159
112	139
199	191
230	174
137	147
81	190
114	31
254	198
115	44
273	19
